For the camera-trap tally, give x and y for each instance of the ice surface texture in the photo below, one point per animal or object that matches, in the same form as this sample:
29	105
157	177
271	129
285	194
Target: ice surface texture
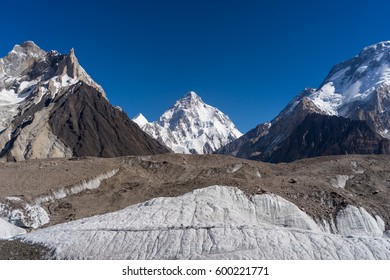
217	222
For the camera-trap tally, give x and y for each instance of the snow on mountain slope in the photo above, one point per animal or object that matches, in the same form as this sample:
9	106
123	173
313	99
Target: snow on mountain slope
359	88
27	75
28	70
140	120
191	126
355	79
215	223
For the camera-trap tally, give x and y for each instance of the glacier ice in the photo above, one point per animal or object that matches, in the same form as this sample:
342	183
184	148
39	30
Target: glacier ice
217	222
354	220
93	183
8	230
23	214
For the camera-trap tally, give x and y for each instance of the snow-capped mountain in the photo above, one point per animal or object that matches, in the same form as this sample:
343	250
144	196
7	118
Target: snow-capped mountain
191	126
357	89
50	107
28	72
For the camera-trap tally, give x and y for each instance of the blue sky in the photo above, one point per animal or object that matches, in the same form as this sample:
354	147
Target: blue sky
248	58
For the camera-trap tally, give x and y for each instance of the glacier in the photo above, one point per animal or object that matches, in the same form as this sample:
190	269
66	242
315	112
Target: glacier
217	222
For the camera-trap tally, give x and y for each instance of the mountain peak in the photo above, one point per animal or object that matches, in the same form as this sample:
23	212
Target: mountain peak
190	100
378	47
192	95
192	126
354	80
50	107
29	44
28	48
18	59
353	105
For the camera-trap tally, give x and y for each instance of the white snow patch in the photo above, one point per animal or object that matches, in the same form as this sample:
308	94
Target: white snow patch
8	230
84	185
23	214
385	132
356	221
9	97
140	120
67	81
327	99
353	85
340	181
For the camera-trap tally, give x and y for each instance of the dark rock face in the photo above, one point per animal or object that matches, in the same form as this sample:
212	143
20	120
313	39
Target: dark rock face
320	135
262	141
234	147
90	126
376	110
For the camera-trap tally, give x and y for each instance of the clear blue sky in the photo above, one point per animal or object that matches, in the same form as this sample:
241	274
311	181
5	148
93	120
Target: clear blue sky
248	58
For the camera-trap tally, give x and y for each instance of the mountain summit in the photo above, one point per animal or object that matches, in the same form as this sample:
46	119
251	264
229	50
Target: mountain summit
50	107
357	89
191	126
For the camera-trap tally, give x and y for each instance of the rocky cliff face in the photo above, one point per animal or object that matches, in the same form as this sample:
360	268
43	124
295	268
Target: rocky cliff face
32	82
262	141
84	120
319	135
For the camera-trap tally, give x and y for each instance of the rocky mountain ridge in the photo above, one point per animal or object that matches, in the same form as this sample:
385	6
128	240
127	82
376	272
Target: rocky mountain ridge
32	82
